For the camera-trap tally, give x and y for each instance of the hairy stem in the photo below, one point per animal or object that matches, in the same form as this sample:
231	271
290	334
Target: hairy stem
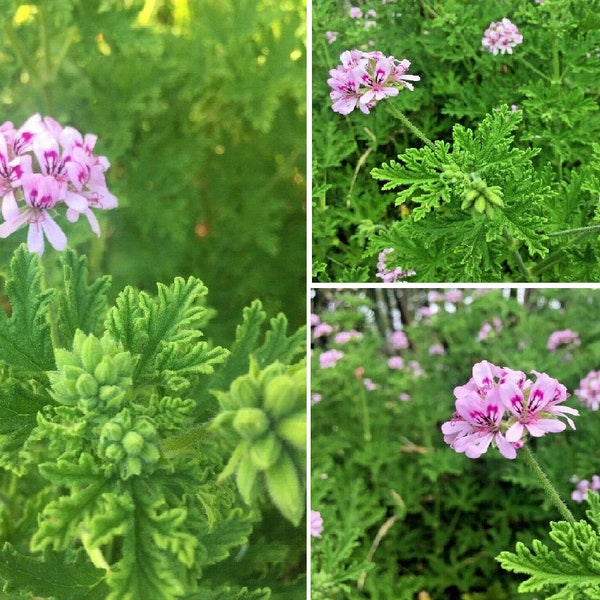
399	115
548	487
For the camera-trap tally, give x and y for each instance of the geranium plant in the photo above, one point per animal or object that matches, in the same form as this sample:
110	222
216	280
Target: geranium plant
120	425
478	164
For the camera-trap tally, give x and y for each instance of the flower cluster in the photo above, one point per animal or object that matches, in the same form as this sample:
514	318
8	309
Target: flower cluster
316	523
499	406
501	36
583	486
564	337
588	391
329	358
45	167
387	274
364	78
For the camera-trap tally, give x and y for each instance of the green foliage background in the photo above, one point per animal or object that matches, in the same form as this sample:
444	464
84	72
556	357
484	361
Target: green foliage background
403	513
200	107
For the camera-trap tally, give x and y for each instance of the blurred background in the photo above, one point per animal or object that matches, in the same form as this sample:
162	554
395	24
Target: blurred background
200	107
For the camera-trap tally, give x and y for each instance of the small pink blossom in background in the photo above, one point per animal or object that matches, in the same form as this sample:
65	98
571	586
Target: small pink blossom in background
437	350
355	13
487	328
395	362
388	274
331	36
514	107
315	398
370	25
416	368
425	312
588	391
316	523
322	329
359	372
539	1
500	407
453	296
583	486
45	169
369	384
330	358
344	337
364	78
501	36
398	340
564	337
314	319
404	397
371	14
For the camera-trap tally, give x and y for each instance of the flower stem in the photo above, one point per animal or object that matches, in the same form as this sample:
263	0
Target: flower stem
399	115
365	415
575	230
517	255
548	487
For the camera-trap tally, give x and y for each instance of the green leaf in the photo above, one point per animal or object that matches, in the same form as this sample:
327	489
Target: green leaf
19	406
228	593
229	533
51	577
80	305
164	331
576	567
25	338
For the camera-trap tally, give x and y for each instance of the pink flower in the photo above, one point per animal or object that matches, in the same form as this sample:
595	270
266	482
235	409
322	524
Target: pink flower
437	349
40	194
387	274
322	329
355	12
315	398
344	337
588	391
398	340
314	319
316	523
364	78
395	362
499	406
331	36
453	296
46	169
564	337
501	36
536	408
329	358
583	486
369	384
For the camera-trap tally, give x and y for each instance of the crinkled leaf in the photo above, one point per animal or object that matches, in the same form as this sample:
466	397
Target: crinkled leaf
25	338
81	305
576	566
164	331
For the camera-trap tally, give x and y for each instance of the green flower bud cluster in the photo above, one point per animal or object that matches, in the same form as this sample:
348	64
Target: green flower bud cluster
129	445
267	411
96	372
481	197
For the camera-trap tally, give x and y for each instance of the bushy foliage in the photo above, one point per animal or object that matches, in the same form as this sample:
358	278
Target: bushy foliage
200	107
403	514
114	447
507	191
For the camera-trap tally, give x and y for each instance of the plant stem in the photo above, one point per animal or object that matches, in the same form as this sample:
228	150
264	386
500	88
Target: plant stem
575	230
548	487
534	69
517	255
365	414
51	316
399	115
